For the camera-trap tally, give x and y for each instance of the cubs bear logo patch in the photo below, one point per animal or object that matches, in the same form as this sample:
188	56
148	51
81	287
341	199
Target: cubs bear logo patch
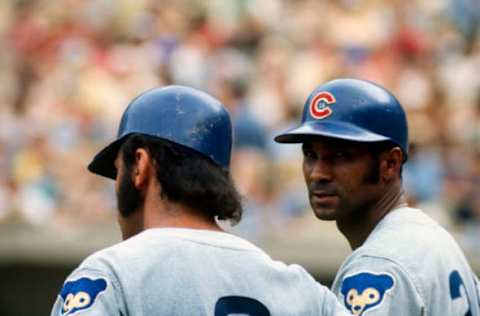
364	291
81	294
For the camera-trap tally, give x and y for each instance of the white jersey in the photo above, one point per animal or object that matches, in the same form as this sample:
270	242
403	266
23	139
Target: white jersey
173	271
409	265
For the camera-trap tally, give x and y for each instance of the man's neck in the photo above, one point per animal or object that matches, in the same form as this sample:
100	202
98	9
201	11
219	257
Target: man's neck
357	228
168	214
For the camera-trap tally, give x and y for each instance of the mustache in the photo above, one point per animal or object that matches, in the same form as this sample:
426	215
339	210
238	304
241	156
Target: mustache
325	188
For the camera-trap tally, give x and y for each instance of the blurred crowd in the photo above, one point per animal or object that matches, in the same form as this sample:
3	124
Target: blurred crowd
69	68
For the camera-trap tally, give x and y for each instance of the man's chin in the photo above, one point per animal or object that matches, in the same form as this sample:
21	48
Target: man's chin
325	214
325	207
326	217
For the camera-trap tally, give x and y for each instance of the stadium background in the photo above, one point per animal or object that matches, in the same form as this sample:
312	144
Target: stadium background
68	69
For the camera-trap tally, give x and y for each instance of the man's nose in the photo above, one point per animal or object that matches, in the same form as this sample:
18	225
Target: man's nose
321	171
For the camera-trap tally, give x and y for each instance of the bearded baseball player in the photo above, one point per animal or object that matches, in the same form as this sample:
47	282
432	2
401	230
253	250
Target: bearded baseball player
170	164
355	140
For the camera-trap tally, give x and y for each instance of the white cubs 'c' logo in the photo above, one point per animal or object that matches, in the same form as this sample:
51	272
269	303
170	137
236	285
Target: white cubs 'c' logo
320	105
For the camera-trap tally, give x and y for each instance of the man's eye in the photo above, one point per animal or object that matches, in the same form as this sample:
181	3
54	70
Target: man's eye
308	154
341	154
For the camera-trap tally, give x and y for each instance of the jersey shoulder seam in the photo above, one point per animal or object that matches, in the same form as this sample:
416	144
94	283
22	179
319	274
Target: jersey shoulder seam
205	243
105	273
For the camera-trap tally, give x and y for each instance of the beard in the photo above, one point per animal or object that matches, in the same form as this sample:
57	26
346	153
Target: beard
129	198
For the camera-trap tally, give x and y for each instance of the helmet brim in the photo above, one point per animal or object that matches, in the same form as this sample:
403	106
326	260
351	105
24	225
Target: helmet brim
103	163
339	130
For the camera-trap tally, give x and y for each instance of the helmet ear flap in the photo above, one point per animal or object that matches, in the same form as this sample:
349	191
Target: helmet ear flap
178	114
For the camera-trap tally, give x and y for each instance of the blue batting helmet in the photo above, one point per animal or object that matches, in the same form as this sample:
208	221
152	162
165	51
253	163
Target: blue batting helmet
178	114
351	109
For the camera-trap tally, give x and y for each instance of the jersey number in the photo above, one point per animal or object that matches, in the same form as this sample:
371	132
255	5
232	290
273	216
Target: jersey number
456	285
229	305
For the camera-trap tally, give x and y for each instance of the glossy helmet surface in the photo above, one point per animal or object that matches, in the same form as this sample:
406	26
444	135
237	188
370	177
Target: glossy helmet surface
351	109
178	114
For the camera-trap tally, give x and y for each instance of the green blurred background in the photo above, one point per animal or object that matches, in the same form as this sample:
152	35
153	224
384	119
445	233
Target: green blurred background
68	69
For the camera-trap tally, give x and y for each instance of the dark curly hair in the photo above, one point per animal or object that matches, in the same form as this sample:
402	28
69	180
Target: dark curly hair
187	177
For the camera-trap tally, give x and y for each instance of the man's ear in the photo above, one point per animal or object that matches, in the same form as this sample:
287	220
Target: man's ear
143	168
391	163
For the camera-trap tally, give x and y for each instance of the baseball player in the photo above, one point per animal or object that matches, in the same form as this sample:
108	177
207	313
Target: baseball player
355	141
170	163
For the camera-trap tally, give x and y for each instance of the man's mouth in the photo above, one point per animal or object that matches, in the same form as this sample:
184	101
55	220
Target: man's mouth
323	196
323	193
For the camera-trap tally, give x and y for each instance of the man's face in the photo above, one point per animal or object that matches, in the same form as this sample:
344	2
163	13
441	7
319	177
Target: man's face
129	198
342	178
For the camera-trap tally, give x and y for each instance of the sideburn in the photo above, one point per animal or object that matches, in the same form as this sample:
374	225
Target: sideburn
373	175
129	198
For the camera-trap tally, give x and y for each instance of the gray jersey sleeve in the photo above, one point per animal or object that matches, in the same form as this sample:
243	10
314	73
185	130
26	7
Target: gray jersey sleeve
330	306
88	292
377	286
323	301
